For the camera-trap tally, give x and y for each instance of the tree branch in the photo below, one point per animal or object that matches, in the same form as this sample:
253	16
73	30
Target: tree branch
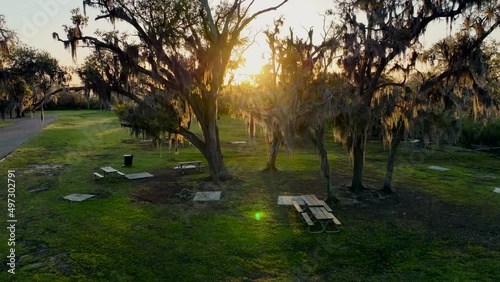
402	84
459	64
210	19
252	17
75	89
229	16
193	138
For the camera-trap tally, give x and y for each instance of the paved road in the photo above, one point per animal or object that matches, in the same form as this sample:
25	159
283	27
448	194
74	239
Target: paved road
11	137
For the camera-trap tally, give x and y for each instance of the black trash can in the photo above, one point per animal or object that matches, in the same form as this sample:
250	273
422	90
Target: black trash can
127	160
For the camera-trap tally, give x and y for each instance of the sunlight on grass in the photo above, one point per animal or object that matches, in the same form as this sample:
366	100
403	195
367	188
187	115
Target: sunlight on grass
6	123
245	237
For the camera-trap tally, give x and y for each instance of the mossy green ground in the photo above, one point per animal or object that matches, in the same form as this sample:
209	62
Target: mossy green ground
116	238
5	123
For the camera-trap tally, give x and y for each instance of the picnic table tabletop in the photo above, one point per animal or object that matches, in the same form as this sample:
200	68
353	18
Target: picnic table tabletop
190	162
108	169
312	201
317	212
320	213
181	166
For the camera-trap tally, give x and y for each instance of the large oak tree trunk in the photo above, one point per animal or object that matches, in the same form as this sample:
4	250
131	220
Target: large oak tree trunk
210	145
396	140
361	124
251	129
325	165
273	154
358	156
212	150
213	154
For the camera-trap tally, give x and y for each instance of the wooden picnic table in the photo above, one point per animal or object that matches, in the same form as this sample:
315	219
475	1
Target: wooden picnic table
324	217
312	201
189	165
411	143
317	211
109	171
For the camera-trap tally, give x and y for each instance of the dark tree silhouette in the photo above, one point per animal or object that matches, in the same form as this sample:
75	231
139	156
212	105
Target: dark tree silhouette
182	47
381	37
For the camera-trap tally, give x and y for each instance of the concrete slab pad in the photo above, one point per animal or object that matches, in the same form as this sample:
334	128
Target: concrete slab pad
287	200
139	175
78	197
207	196
497	190
238	142
483	176
438	168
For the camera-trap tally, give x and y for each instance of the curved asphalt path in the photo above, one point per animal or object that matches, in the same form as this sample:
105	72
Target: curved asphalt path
11	137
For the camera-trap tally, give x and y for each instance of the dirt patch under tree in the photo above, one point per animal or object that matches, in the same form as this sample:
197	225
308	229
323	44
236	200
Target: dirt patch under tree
407	207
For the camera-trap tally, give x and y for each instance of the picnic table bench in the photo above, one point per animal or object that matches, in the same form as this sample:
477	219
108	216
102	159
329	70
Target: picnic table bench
98	175
324	217
108	172
304	214
181	166
316	211
411	143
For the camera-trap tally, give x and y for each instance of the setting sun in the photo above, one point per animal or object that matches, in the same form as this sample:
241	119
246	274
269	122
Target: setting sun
254	58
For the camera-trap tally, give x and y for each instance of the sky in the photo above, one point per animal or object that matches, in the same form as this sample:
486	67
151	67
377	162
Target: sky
35	20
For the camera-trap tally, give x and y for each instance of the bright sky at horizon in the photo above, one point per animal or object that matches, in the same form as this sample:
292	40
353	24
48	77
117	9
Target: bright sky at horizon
35	20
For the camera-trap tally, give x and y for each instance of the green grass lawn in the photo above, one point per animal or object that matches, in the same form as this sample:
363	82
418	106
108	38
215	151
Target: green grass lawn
5	123
116	238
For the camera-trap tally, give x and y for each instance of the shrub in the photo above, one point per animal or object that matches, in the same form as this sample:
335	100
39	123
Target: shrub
153	117
477	133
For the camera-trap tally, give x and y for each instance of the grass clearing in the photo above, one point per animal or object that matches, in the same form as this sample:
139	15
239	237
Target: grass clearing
438	226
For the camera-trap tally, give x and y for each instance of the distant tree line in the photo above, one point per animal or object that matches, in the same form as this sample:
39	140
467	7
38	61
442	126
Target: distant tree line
28	76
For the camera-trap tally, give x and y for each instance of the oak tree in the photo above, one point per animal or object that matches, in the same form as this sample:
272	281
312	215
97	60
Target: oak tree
380	38
183	47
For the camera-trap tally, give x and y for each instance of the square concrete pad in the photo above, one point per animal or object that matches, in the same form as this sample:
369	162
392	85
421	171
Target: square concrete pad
438	168
207	196
78	197
497	190
287	200
483	176
139	175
